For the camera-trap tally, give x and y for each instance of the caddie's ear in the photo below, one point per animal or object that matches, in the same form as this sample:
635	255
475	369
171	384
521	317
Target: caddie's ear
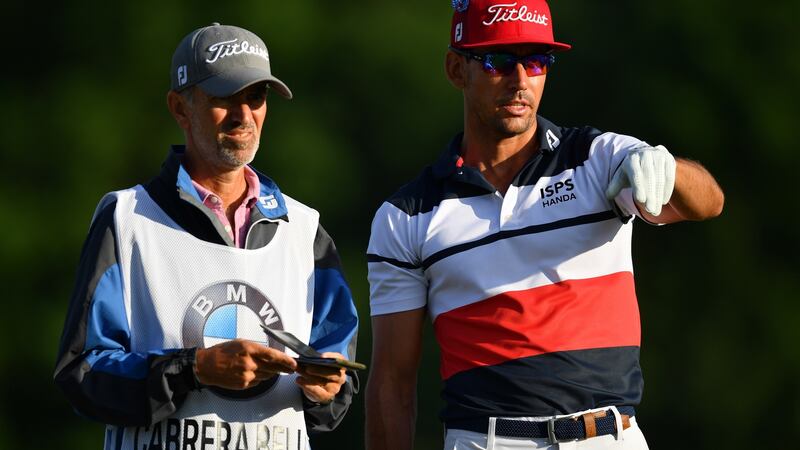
178	106
456	68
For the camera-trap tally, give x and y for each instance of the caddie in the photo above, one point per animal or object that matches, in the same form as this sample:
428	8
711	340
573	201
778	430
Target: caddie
516	242
163	340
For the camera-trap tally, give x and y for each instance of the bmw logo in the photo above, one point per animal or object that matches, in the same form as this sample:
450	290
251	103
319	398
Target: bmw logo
230	310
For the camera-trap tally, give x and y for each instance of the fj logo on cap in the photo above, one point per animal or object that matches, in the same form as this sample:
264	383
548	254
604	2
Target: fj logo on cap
182	76
232	47
508	12
459	31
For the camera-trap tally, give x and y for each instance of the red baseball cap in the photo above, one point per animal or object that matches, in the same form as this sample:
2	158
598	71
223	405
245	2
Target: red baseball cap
478	23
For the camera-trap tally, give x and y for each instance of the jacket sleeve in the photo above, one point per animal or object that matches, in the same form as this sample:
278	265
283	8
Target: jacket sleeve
96	369
333	329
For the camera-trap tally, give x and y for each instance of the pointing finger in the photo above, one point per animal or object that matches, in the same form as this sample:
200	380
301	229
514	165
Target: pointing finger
633	165
648	165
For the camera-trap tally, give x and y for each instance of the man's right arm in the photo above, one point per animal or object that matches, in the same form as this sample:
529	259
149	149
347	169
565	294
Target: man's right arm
96	369
398	302
391	402
105	380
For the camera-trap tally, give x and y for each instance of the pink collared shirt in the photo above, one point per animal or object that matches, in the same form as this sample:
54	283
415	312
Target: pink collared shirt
241	218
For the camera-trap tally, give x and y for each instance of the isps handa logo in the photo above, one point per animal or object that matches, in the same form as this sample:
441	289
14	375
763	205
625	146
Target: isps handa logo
229	310
558	192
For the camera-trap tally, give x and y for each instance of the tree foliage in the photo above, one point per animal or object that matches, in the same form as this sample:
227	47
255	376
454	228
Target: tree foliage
84	113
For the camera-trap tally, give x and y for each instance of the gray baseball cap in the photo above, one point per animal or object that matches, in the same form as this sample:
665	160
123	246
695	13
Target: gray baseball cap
222	60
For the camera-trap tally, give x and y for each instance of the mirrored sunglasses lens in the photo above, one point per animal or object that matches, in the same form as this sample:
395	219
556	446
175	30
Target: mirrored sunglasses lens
499	63
537	64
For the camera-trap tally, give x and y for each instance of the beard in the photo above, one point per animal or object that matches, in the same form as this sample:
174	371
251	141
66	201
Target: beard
495	120
237	154
224	152
515	125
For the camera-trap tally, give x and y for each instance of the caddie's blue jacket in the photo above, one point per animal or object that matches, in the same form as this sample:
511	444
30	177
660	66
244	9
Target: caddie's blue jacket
167	376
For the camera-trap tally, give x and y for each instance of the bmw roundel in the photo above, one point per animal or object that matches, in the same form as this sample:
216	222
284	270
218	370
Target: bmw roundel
229	310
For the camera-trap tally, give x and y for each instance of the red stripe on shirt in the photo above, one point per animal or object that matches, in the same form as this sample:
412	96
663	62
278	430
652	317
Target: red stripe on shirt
570	315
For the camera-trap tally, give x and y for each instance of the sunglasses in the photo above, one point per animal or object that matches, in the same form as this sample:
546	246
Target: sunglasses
506	63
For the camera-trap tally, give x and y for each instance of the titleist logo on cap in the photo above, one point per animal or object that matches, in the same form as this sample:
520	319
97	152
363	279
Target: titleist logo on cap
508	12
229	48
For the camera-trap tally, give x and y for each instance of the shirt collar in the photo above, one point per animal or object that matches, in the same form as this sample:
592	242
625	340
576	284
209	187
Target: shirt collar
265	192
448	162
548	138
253	186
251	194
547	134
270	200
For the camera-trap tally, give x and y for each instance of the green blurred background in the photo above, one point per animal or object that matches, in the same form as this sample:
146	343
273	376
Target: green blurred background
83	97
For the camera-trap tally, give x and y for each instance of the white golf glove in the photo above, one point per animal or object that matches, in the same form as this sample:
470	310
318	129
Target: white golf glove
650	171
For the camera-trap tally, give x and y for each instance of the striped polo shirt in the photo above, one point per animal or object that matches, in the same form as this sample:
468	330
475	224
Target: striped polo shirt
531	293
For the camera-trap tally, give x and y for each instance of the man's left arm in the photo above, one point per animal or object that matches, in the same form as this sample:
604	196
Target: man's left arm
667	189
333	330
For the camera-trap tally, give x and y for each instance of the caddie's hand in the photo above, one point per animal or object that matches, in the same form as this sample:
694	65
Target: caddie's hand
650	171
240	364
319	383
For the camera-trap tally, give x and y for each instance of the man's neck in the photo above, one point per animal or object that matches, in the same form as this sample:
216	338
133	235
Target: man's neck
498	158
229	185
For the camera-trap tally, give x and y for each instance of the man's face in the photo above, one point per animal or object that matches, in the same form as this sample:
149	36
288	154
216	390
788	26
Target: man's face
225	132
505	105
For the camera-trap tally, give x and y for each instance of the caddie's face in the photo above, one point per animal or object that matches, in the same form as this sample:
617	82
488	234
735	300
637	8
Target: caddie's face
505	104
225	132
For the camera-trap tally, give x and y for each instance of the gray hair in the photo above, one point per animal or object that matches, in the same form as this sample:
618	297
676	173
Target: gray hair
188	95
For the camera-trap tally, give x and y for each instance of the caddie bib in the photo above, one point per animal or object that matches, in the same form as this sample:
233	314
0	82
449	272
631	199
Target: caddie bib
183	292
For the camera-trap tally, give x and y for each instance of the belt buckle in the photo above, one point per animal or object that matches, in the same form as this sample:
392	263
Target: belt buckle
551	432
